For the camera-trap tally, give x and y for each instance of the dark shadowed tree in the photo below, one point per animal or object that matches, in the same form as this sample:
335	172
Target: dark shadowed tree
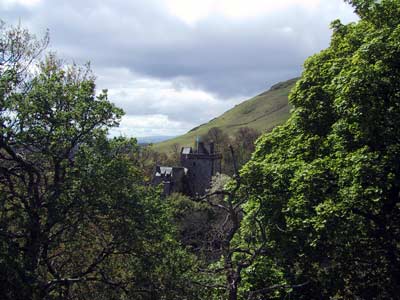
221	141
244	144
216	135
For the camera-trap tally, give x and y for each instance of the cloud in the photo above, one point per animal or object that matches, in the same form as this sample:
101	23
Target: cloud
187	60
149	125
222	54
23	3
141	96
156	102
191	11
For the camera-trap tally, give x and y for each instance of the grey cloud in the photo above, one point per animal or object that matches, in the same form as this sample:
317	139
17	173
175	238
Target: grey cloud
155	65
225	57
162	97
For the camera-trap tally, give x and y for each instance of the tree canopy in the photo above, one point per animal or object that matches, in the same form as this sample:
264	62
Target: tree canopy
327	182
314	214
76	220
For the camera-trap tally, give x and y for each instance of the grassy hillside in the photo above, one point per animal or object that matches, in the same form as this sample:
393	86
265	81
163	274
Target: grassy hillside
262	112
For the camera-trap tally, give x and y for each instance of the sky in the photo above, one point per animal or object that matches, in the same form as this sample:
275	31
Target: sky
175	64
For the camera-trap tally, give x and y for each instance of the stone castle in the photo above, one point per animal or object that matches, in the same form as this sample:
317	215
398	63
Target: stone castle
193	176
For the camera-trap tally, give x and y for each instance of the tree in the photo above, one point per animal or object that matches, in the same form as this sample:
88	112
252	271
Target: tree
18	49
76	221
244	143
221	141
216	135
327	182
174	155
233	256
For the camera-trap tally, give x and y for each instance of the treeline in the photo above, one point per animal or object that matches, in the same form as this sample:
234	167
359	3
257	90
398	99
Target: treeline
242	140
314	213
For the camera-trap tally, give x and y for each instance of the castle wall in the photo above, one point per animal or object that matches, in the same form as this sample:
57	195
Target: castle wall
193	177
172	178
201	169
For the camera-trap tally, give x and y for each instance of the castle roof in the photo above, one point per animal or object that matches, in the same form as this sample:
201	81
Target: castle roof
162	171
186	150
201	149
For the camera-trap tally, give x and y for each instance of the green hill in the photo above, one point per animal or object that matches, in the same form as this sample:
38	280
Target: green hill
262	112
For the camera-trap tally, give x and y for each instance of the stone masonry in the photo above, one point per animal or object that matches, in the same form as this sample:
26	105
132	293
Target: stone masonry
193	177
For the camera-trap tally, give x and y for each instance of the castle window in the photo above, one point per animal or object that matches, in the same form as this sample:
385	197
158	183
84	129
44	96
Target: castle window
194	163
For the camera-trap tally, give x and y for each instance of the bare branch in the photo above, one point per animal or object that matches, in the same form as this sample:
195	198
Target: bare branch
263	291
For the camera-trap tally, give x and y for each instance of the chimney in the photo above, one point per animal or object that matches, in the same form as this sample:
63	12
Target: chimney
211	147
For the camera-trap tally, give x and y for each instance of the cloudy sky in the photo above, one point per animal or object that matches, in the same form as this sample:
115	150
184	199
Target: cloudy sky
174	64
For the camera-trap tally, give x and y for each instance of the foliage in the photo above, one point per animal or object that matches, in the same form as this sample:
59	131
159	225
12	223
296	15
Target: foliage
194	222
76	220
327	182
313	215
242	140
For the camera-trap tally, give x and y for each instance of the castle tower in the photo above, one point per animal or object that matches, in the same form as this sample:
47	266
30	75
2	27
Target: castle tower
202	164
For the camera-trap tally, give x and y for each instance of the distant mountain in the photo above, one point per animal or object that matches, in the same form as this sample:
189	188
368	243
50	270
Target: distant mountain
153	139
263	112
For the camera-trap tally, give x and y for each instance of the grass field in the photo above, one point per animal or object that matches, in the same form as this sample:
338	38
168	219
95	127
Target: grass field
262	112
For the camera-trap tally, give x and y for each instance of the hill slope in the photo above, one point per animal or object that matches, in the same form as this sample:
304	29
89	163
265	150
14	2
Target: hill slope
262	112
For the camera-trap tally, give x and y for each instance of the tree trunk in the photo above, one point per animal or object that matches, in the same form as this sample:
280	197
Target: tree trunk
232	288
